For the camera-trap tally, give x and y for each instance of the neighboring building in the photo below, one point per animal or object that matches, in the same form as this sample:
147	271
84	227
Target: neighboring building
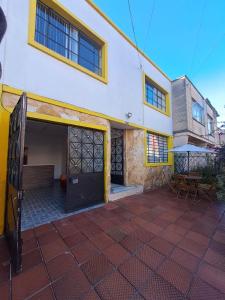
98	109
194	117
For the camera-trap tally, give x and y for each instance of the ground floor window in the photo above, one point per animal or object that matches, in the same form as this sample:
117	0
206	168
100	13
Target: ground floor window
157	148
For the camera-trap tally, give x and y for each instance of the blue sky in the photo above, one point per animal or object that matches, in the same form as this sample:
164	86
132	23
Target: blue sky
185	37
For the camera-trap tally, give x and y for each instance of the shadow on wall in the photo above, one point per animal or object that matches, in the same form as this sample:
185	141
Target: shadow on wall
3	25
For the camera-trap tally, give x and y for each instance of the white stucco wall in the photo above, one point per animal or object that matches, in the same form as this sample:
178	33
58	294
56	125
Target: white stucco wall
27	68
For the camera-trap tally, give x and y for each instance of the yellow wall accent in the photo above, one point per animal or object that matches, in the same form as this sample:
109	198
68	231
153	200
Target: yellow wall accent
4	132
147	78
93	5
64	12
170	154
14	91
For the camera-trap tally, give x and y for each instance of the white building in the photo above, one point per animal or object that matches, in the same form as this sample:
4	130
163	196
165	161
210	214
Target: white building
83	75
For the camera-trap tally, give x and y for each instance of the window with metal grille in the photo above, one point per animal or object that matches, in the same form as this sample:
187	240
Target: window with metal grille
154	96
157	148
57	34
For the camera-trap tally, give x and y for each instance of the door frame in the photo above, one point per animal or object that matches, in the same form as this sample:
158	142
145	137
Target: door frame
57	120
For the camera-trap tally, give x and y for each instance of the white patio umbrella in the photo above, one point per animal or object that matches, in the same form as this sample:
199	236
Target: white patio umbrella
190	148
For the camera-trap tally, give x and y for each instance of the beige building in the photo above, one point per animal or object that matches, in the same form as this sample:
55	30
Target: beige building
194	117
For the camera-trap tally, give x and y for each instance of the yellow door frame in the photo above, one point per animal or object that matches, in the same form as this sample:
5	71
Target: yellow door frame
4	125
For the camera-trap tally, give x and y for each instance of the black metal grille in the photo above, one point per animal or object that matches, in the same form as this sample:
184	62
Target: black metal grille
57	34
86	151
117	152
154	96
157	148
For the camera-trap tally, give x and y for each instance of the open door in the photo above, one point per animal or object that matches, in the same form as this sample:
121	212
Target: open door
85	168
14	192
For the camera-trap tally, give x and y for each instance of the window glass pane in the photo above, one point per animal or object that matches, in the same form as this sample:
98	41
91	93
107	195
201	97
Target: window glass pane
155	97
157	148
54	32
197	112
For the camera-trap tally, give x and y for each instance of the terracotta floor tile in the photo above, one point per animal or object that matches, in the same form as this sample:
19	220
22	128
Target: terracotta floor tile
150	257
91	295
142	234
29	245
219	236
212	276
216	259
5	290
135	272
4	252
59	265
115	287
73	240
177	229
200	290
97	268
158	289
46	294
192	247
153	228
29	282
48	237
53	249
116	254
116	234
102	241
31	259
84	251
185	259
4	271
197	237
27	235
171	236
161	245
72	286
131	243
43	229
67	229
176	275
217	246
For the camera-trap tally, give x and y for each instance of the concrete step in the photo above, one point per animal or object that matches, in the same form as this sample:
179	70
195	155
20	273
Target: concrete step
121	191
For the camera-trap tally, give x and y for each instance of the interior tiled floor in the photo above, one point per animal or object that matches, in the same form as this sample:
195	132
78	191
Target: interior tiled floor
150	246
44	205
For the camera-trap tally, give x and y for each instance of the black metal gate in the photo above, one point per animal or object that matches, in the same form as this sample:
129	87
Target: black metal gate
85	168
117	166
14	194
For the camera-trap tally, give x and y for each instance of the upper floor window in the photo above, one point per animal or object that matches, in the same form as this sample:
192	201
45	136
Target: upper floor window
157	148
59	35
197	112
155	96
210	125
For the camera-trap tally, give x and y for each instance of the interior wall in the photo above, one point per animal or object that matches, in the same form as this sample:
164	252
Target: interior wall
47	144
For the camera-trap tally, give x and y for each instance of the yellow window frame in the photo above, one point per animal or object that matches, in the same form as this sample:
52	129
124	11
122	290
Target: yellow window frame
169	145
70	17
167	96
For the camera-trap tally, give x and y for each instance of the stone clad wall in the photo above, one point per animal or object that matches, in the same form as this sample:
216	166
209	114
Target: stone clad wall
136	170
9	101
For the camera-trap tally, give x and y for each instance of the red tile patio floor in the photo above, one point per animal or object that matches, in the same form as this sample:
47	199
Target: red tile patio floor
149	246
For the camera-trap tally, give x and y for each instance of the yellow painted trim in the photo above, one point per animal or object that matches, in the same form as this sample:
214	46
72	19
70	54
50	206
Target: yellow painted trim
100	12
170	154
64	12
15	91
147	78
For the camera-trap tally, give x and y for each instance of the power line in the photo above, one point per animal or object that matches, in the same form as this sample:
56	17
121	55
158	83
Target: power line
198	34
133	29
149	23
